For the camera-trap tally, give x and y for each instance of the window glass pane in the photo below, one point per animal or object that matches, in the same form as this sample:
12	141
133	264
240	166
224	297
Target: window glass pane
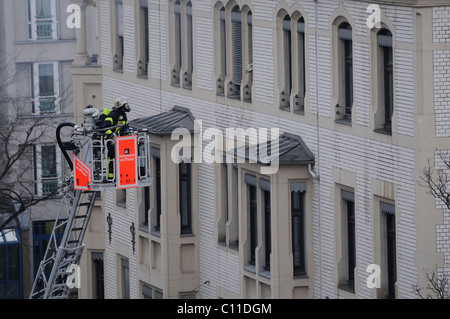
298	232
10	235
185	197
236	27
184	203
125	279
158	190
46	81
143	3
296	200
13	262
147	292
296	237
119	18
48	161
43	9
267	229
253	223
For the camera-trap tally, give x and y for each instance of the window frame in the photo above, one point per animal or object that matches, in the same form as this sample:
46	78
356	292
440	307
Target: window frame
292	62
39	179
36	98
118	36
125	278
389	246
185	229
98	275
156	203
385	79
144	39
266	212
299	262
344	106
221	49
348	240
182	43
9	262
33	21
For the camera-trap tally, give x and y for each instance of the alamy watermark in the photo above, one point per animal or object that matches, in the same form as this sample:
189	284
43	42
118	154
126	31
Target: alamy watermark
74	278
374	19
257	145
74	19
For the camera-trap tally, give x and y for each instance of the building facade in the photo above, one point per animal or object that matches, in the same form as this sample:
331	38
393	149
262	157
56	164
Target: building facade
37	49
358	91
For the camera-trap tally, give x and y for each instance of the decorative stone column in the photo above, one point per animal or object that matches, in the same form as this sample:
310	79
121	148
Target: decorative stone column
82	57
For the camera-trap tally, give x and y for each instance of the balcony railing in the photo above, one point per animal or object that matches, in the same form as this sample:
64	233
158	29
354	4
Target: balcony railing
44	29
49	184
47	104
343	113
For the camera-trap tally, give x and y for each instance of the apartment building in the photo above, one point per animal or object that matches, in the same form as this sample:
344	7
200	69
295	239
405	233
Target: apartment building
37	49
359	93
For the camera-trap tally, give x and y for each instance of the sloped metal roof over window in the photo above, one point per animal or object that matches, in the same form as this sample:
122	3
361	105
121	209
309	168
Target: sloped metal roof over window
291	151
165	123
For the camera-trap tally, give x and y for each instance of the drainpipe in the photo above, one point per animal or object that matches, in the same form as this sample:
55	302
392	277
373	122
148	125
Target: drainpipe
314	176
318	143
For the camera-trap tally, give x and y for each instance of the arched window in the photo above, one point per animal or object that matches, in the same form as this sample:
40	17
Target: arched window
345	72
385	81
293	67
384	39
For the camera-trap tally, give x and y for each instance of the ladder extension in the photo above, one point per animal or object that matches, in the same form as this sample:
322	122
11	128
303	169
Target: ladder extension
73	218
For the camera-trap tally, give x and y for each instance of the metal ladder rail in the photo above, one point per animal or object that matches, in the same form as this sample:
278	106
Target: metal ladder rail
58	258
41	281
70	253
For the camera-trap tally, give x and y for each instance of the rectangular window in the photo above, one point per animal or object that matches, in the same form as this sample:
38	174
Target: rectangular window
157	202
389	246
222	223
185	200
145	207
121	198
348	242
144	42
125	273
119	52
42	231
252	211
49	176
45	83
234	224
298	227
98	276
149	292
42	20
156	189
266	214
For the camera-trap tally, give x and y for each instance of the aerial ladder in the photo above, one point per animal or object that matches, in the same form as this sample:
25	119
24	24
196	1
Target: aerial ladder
89	165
